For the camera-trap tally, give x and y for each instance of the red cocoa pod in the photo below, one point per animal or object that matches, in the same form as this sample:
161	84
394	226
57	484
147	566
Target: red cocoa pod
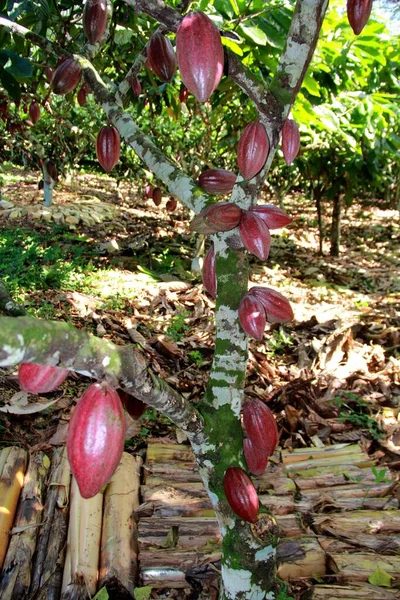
95	19
136	86
255	235
95	439
134	407
277	307
148	190
81	96
48	71
157	196
161	56
183	93
241	494
290	141
200	54
358	12
252	316
217	181
253	149
3	107
222	216
273	217
34	112
40	379
209	275
108	147
260	426
171	205
66	77
256	459
52	170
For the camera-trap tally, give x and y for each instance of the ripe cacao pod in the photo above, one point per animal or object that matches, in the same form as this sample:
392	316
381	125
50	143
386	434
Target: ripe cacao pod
157	197
256	459
95	19
40	379
255	235
260	426
200	54
222	216
241	494
108	147
66	77
134	407
81	96
290	140
209	275
273	217
217	181
95	439
171	205
253	149
136	86
34	112
277	307
358	12
161	56
252	316
52	170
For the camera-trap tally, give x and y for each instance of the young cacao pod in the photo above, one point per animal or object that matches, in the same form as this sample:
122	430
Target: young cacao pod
136	86
66	77
200	54
183	93
34	112
81	96
148	191
134	407
217	181
260	426
358	12
52	170
96	436
209	275
255	235
277	307
171	205
161	56
241	494
94	19
256	459
48	71
252	316
222	216
157	197
290	140
39	379
253	149
108	147
273	217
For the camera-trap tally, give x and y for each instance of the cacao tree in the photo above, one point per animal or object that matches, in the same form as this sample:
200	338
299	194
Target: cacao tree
208	58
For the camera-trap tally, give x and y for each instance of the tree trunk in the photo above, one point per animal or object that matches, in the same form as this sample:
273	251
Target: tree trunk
336	223
318	204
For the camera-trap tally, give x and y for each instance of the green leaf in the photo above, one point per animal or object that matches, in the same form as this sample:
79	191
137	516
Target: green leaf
234	46
102	594
143	593
311	85
381	578
235	7
255	34
20	68
122	35
10	84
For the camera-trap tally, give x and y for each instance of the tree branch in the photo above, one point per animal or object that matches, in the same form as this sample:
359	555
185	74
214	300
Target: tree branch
26	339
7	304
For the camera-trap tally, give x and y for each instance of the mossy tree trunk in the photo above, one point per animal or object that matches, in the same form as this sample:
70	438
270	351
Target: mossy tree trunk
213	426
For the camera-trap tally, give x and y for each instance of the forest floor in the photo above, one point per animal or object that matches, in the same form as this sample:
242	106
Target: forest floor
107	259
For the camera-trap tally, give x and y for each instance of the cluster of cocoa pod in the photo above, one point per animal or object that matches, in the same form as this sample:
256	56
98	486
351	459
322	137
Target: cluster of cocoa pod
260	441
96	432
155	194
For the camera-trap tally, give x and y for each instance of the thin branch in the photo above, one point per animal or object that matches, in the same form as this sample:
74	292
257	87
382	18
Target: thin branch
27	339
